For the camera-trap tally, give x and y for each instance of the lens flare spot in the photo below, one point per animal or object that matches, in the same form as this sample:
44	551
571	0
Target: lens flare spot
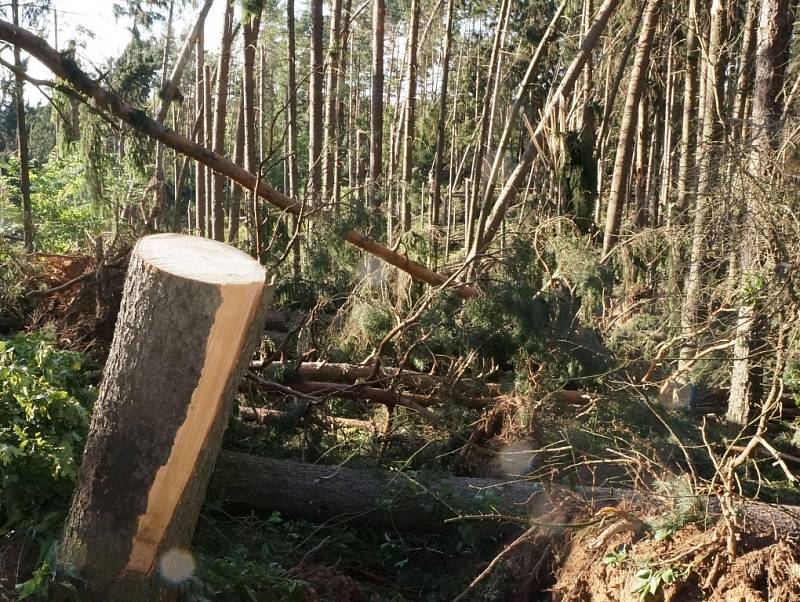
176	565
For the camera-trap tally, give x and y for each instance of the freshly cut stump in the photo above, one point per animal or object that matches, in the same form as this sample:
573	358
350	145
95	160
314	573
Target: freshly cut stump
191	315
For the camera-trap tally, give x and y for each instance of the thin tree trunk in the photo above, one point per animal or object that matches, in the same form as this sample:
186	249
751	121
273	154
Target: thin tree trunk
22	141
236	190
376	104
410	118
688	145
315	104
519	98
169	88
331	105
474	224
708	163
208	117
294	175
220	117
627	130
249	39
442	116
200	171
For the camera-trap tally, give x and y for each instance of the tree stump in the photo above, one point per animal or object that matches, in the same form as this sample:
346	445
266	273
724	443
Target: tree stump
191	315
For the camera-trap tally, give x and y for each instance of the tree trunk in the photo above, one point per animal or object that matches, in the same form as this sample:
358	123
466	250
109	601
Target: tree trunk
688	121
376	104
315	105
208	117
331	104
477	214
190	318
441	118
169	88
294	174
386	500
220	117
410	118
627	129
708	162
236	190
249	39
519	98
22	142
521	171
200	138
772	55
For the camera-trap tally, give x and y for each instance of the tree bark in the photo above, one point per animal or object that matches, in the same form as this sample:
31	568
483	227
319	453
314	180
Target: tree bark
294	174
220	117
386	500
627	129
22	142
689	119
331	104
477	212
156	430
376	103
441	118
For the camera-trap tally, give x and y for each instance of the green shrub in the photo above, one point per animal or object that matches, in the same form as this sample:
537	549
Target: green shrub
45	400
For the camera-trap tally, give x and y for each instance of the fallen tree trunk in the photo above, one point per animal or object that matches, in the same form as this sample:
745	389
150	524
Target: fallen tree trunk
268	417
350	373
422	502
364	393
68	70
345	377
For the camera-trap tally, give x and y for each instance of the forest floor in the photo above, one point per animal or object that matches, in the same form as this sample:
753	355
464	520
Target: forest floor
631	550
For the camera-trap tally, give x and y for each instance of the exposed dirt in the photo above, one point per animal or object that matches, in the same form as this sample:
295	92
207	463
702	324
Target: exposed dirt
327	584
84	313
691	564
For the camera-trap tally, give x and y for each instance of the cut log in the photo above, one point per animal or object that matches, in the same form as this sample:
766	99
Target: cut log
191	314
422	502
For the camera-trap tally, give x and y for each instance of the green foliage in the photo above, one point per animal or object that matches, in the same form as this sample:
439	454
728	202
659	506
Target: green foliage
62	210
689	508
616	557
45	404
12	301
578	177
648	580
237	576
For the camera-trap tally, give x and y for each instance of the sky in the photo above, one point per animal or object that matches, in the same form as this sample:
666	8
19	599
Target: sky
110	36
